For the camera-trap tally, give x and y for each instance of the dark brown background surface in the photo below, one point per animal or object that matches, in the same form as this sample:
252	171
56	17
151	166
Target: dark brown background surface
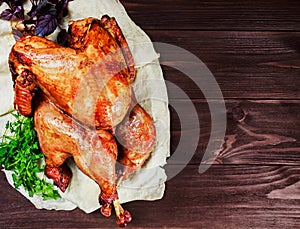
253	50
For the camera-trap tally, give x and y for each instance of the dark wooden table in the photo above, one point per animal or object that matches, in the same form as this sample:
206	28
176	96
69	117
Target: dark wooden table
253	50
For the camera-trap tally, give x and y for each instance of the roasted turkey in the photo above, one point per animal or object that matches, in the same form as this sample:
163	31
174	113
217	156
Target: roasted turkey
84	106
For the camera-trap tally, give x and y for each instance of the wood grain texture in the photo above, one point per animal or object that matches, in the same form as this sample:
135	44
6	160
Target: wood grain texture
223	197
258	131
288	192
258	65
215	15
253	50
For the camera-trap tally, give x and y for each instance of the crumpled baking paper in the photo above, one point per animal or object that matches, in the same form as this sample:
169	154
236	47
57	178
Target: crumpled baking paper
149	182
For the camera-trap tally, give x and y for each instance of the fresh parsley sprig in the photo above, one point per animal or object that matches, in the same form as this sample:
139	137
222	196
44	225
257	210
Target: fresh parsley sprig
20	153
41	20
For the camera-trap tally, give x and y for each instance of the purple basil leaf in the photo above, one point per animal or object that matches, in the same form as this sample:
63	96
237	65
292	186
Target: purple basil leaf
17	34
7	15
34	6
15	10
18	9
46	25
62	37
19	12
62	7
43	8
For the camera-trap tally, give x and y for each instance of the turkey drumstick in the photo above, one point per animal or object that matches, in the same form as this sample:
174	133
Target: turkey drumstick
94	151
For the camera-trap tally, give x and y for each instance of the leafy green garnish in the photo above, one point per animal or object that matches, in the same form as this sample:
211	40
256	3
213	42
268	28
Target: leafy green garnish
20	153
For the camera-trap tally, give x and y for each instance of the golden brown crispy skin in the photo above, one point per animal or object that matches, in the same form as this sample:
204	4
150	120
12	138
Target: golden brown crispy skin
136	136
24	80
90	80
82	35
60	137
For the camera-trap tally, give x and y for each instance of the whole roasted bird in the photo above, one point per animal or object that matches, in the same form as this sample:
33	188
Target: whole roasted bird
84	106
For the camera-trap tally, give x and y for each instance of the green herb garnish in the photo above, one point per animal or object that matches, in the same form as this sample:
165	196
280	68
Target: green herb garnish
20	153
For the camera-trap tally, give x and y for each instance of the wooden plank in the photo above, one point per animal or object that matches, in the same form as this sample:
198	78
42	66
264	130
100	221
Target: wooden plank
258	132
260	65
223	197
215	15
